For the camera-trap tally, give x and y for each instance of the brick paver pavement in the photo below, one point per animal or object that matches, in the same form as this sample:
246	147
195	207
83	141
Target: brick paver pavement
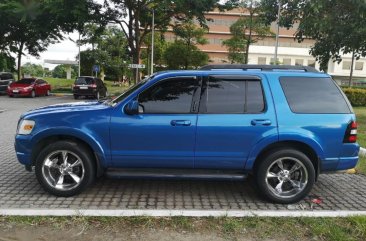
20	189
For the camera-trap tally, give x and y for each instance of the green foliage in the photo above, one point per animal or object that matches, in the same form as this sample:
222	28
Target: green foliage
60	71
109	50
184	53
246	31
34	24
160	46
357	97
7	63
337	26
34	70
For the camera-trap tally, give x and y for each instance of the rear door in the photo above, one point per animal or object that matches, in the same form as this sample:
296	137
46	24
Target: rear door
235	113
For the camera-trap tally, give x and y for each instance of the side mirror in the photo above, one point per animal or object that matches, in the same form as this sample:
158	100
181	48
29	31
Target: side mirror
132	108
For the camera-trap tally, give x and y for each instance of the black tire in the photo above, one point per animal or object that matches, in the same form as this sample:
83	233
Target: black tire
76	97
33	94
86	170
267	184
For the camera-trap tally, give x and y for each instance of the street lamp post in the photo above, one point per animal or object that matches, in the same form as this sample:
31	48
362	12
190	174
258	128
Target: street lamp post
278	30
152	42
79	57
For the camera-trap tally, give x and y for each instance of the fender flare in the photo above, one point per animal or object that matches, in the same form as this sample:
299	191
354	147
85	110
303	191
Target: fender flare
263	144
77	134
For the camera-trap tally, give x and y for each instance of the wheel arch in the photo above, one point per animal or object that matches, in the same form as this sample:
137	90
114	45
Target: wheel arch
305	148
94	148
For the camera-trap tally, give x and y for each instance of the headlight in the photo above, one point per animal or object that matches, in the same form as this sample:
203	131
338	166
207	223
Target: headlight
26	127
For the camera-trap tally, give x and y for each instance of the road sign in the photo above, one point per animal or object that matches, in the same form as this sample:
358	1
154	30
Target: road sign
96	68
136	66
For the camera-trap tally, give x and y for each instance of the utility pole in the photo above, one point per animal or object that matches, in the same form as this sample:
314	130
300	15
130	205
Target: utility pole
351	73
79	55
152	42
278	30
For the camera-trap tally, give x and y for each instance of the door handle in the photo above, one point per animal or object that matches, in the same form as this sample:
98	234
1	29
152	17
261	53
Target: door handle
180	123
261	122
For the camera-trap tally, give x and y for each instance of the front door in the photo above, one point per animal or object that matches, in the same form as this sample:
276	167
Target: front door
163	134
234	115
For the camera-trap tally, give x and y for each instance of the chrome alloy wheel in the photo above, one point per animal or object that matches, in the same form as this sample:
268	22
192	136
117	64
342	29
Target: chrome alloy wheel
286	177
63	170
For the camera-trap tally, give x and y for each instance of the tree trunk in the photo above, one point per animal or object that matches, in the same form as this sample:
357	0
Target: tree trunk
351	73
20	52
250	33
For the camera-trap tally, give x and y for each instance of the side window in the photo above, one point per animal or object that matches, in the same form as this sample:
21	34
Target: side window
233	95
169	96
313	95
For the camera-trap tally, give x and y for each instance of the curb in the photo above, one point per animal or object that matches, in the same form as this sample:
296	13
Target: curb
362	152
172	213
61	94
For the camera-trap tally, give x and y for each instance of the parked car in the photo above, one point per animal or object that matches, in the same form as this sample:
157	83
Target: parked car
31	87
5	80
90	87
282	124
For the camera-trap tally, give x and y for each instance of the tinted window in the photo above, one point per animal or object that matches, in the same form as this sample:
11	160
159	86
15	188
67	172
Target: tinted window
255	100
169	96
84	81
233	95
313	95
26	81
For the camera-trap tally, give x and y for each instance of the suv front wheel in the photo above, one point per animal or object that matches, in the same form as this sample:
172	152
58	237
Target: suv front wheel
65	168
285	176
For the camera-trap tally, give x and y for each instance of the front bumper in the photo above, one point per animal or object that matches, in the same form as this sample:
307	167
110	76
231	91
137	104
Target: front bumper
23	149
20	92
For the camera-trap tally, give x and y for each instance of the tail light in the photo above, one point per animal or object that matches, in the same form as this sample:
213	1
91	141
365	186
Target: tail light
351	133
94	86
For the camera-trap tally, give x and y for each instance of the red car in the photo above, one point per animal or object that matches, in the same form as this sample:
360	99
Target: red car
29	87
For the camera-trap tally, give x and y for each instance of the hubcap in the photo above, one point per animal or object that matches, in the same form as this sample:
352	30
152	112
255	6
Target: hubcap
63	170
286	177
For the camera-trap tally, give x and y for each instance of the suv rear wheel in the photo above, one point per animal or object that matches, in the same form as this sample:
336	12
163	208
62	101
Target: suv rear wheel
65	168
285	176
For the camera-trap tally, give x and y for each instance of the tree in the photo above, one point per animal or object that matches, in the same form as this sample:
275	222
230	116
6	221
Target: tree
7	63
246	31
34	70
138	23
184	53
33	24
338	26
109	50
160	46
60	71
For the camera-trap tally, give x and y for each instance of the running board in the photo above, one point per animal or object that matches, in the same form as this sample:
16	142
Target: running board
173	174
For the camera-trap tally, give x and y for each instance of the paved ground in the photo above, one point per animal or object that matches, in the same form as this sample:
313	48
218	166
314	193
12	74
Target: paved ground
19	188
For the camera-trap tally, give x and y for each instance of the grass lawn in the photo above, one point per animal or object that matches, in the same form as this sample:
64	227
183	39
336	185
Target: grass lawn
64	86
148	228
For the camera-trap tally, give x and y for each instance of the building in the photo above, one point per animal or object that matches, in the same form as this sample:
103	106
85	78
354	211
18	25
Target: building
290	52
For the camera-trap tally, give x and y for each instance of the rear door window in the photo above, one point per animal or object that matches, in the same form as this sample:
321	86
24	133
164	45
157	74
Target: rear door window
314	95
233	95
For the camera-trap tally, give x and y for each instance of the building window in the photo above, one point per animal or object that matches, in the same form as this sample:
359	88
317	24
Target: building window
262	60
286	61
311	63
299	62
346	65
359	66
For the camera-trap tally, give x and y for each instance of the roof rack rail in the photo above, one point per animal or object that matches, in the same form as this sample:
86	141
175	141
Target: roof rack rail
259	67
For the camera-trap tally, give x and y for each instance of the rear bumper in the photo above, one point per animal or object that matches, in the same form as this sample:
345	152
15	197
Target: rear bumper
348	156
347	163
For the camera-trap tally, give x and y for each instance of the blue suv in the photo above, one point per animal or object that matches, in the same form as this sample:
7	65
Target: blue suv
282	124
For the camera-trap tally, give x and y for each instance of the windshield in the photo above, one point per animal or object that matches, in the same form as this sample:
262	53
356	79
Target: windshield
26	81
84	81
129	91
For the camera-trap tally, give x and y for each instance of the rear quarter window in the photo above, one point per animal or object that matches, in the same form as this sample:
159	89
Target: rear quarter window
314	95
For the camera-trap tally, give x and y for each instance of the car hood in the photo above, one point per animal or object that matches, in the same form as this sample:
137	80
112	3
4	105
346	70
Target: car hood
67	107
